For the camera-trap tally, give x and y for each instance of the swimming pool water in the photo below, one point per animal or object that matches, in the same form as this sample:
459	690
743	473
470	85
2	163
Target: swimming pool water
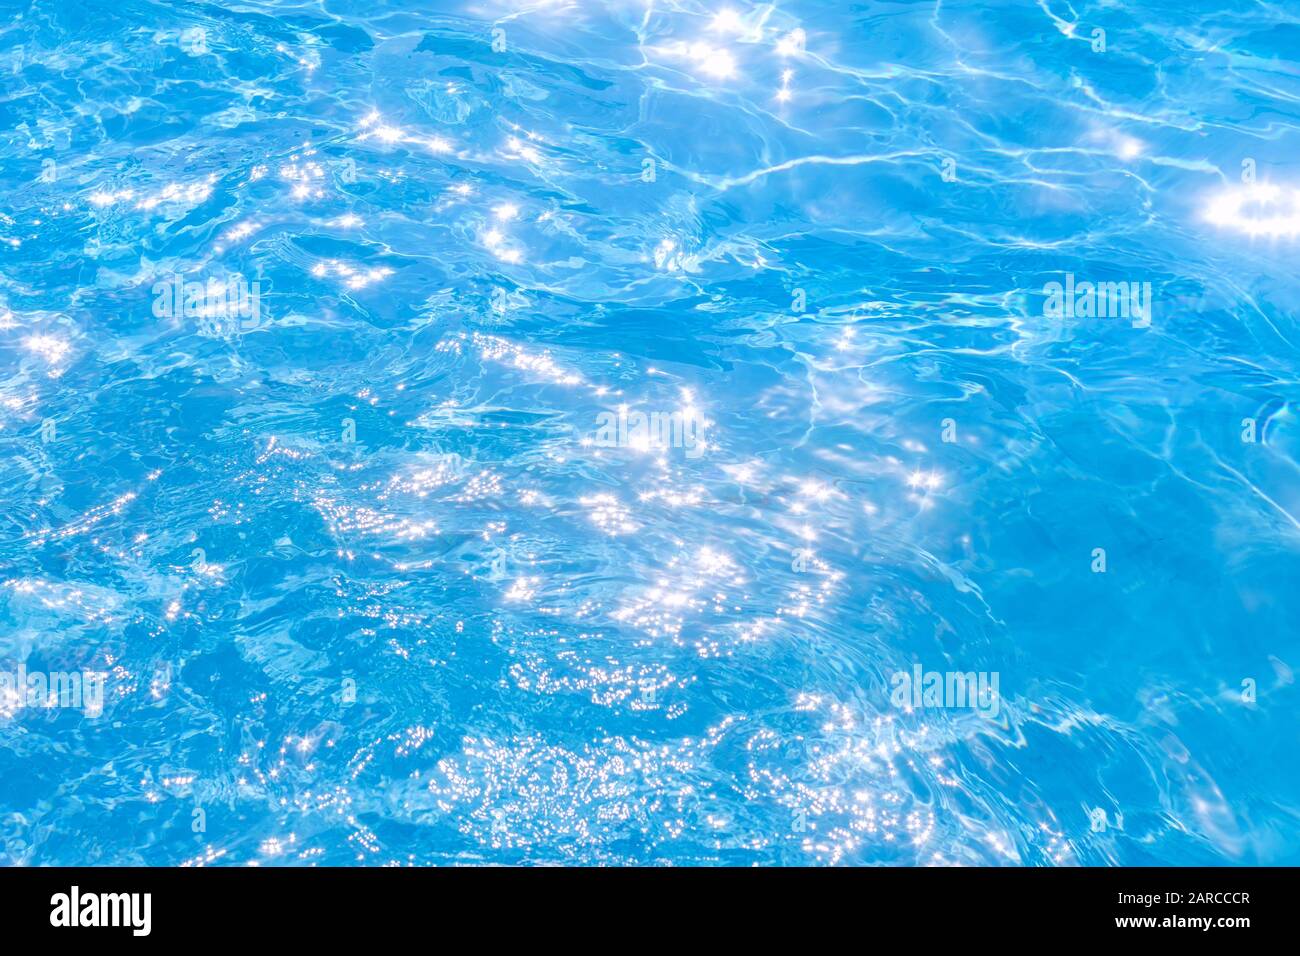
649	432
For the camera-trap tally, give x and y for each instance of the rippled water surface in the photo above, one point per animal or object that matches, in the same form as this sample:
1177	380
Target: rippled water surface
372	577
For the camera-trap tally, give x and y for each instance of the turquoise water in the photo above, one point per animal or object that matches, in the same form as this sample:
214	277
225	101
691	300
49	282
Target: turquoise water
611	433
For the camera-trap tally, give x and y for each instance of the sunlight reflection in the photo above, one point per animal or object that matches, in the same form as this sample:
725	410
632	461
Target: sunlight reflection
1257	209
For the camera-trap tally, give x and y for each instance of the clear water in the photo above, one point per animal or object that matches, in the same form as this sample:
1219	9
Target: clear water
370	585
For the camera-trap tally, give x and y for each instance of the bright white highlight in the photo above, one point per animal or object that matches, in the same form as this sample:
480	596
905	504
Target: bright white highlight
1260	209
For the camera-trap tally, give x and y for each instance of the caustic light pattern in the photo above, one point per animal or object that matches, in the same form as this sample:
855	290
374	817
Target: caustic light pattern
649	432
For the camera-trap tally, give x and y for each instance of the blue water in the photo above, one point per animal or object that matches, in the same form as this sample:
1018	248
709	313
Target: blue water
367	581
